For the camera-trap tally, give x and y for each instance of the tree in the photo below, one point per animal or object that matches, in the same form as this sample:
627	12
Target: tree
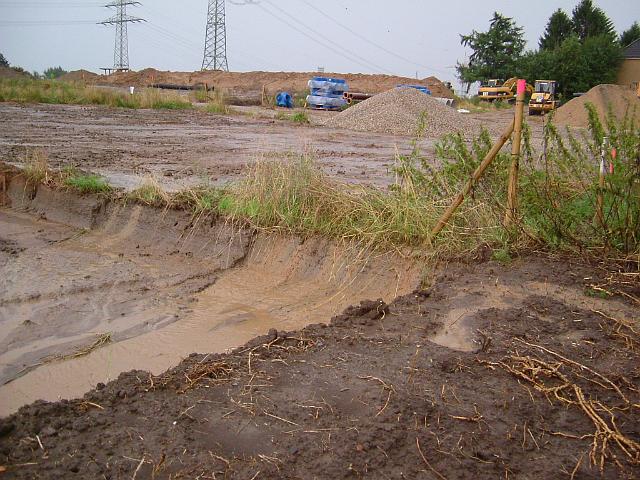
3	61
53	72
631	35
590	21
495	52
559	28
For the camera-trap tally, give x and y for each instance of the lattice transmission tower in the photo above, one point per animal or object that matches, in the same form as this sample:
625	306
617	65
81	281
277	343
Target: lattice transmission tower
215	40
120	20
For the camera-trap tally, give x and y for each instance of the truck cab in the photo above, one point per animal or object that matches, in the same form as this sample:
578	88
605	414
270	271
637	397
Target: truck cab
544	98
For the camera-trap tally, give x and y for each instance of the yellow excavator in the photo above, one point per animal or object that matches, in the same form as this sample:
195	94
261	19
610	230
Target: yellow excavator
544	98
495	89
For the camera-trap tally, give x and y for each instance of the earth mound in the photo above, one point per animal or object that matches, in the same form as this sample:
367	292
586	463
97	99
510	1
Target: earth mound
399	112
604	97
79	76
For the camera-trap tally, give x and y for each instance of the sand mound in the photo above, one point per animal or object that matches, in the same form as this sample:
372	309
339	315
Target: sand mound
8	72
398	112
620	99
271	81
79	76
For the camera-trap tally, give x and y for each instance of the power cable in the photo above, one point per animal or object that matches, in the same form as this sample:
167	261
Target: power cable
369	41
336	44
310	37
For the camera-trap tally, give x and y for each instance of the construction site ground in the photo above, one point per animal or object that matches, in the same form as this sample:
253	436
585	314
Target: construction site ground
182	148
172	346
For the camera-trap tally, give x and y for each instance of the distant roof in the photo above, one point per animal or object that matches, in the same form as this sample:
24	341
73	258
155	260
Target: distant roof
633	50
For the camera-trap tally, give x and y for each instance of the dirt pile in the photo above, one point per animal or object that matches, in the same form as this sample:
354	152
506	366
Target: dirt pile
399	112
619	99
271	81
8	72
80	76
548	391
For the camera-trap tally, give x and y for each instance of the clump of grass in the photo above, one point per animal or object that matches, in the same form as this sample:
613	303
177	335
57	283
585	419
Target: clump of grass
298	117
150	193
87	183
201	199
36	166
217	103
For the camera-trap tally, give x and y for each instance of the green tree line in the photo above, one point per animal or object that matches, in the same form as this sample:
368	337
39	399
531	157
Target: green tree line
579	51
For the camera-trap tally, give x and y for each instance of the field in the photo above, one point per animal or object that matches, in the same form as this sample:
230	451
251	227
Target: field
229	293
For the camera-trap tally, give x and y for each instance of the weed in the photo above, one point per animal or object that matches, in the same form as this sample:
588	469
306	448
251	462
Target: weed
149	193
87	183
502	255
36	167
217	103
298	117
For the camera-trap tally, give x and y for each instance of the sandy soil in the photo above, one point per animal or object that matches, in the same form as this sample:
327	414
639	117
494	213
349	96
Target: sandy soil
186	148
150	287
372	395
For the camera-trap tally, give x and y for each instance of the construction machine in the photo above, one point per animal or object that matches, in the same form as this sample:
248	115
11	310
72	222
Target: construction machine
496	89
544	98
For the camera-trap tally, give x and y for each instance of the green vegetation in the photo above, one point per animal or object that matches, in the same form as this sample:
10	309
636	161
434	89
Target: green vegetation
630	35
87	183
52	73
149	193
56	92
298	117
217	103
579	52
36	167
495	52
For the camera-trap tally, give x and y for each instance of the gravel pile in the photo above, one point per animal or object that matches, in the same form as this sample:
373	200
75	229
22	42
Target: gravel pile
398	112
619	99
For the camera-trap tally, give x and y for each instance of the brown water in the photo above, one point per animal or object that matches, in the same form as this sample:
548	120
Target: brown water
283	283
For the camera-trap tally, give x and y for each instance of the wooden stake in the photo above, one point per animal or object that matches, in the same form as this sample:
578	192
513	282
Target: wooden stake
474	179
512	194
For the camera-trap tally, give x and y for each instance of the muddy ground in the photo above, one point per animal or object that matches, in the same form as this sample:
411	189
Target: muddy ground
91	288
181	148
370	395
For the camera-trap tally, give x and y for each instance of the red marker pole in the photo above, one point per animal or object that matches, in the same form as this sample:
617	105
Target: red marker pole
512	194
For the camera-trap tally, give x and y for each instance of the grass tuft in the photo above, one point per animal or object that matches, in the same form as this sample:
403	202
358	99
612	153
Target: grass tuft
87	183
149	193
36	166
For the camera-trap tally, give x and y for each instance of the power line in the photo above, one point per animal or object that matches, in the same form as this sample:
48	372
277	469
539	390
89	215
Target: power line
340	49
369	41
310	37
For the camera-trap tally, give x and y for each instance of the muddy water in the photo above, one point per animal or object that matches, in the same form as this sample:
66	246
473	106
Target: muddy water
283	283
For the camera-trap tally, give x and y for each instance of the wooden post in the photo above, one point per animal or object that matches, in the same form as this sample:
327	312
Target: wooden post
474	179
600	198
512	193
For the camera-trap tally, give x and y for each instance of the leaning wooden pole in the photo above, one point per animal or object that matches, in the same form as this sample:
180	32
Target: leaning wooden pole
512	193
474	179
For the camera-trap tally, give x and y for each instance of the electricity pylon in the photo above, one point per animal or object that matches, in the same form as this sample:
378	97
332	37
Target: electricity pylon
120	20
215	40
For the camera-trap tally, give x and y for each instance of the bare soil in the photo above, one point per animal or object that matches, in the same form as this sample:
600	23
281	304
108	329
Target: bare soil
253	83
371	395
190	147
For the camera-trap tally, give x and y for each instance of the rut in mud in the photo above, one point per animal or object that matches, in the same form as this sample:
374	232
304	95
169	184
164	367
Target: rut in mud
92	289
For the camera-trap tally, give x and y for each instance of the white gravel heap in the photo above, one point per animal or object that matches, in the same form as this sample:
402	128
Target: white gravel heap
398	112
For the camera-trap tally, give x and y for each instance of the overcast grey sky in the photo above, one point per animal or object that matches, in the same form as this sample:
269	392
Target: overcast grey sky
417	37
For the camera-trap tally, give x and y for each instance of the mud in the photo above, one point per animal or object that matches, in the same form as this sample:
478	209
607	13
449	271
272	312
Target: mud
369	395
158	284
185	148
